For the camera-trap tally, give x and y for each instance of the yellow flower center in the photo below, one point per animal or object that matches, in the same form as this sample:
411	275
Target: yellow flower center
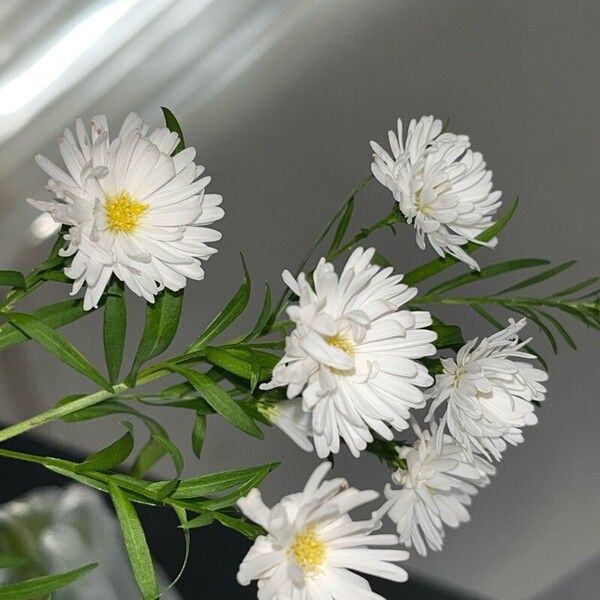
343	343
308	550
123	212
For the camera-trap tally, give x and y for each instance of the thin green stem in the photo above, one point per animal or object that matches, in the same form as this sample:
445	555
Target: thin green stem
284	296
387	221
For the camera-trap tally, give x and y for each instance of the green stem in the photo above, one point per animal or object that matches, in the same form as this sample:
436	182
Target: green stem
389	220
284	296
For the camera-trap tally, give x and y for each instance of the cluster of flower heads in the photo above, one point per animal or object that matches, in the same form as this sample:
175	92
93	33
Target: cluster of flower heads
136	209
352	371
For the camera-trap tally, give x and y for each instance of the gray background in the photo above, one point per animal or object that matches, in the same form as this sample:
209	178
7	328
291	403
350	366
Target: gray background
281	99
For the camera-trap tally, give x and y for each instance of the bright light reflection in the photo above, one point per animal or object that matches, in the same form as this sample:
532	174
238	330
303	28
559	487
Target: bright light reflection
43	227
32	82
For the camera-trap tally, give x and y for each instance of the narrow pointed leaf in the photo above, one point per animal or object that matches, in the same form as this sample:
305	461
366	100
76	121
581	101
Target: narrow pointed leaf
13	279
135	543
173	125
576	288
342	227
111	456
54	316
160	327
183	522
250	530
57	345
198	434
228	315
486	273
200	521
213	483
436	266
115	328
40	586
539	277
559	327
220	401
263	317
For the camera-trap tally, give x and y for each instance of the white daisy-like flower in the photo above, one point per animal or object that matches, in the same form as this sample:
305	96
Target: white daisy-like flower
133	210
440	185
312	547
436	488
288	416
353	354
489	391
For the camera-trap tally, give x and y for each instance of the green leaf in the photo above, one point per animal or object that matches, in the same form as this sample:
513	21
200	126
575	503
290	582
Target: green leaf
576	288
230	313
559	327
55	344
34	588
539	277
173	125
115	328
213	483
243	490
250	530
198	433
200	521
239	361
380	260
111	456
436	266
220	400
485	273
342	227
54	316
449	336
160	327
183	522
135	543
12	562
263	318
13	279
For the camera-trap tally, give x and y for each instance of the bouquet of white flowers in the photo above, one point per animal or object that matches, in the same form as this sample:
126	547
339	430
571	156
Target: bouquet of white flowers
346	356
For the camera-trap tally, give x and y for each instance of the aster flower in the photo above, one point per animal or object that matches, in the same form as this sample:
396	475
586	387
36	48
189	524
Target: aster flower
489	391
441	186
353	354
436	488
133	210
288	416
312	547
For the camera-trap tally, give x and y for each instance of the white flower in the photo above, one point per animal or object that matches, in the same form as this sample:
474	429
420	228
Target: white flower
440	185
312	546
489	393
353	354
288	416
437	485
132	208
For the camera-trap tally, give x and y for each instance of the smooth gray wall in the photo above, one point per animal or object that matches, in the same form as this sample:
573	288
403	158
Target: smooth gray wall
286	140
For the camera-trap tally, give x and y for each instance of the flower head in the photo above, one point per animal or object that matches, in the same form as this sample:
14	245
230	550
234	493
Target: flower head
312	546
353	353
490	391
288	416
436	488
133	210
440	185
